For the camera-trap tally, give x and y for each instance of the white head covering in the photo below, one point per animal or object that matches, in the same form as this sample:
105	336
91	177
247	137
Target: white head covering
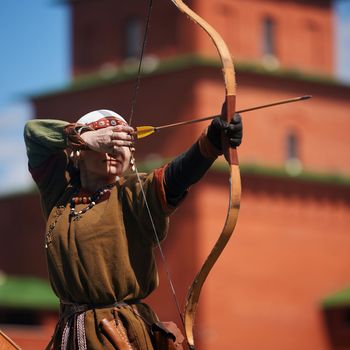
94	116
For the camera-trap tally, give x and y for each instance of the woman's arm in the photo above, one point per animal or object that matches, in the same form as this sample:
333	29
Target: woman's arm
188	168
46	142
44	138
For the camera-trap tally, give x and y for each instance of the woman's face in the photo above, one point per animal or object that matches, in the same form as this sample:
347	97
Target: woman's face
104	164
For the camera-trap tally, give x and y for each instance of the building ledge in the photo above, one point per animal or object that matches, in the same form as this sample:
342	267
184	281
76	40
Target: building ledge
153	66
326	178
266	171
305	176
338	299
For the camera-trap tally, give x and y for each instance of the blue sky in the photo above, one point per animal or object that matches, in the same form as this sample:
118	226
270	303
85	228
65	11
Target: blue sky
342	33
34	42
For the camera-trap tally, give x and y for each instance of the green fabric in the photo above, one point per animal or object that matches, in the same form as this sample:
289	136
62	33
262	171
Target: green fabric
48	161
42	138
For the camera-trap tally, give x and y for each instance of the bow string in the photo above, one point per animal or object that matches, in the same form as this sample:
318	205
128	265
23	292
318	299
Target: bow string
231	156
133	107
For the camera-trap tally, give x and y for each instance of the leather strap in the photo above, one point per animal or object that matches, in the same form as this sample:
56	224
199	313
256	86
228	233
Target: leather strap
116	333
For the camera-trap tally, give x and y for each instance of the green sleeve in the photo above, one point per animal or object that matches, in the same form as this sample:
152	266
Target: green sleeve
43	138
48	161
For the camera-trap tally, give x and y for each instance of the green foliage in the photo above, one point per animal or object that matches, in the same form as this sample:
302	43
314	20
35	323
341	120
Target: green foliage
26	293
341	298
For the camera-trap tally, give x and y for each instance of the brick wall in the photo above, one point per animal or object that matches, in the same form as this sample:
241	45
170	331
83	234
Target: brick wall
303	32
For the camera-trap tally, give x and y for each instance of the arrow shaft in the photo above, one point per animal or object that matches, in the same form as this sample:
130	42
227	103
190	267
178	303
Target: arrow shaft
296	99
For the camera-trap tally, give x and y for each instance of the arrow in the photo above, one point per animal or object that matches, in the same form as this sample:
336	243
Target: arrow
147	130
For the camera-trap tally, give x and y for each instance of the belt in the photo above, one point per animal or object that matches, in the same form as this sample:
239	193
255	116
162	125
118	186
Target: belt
68	309
75	315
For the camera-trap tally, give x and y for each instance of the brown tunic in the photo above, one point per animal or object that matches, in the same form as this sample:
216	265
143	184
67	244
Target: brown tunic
107	255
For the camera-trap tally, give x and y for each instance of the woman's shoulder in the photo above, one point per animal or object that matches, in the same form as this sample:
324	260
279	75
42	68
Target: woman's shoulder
133	179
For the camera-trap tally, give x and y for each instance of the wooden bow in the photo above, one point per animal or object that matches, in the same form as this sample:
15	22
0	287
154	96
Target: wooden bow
6	343
235	179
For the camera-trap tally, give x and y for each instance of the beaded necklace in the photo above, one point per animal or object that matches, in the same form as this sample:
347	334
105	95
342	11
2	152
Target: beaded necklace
90	201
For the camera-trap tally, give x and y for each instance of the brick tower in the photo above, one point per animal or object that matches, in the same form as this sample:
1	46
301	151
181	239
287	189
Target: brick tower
290	250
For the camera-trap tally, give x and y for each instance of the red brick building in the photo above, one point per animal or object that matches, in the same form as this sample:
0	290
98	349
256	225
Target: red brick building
291	247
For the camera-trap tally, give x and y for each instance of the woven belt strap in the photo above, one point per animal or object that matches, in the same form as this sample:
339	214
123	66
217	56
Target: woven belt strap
71	310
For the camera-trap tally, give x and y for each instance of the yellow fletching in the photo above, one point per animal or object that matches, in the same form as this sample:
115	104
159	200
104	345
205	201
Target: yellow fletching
144	131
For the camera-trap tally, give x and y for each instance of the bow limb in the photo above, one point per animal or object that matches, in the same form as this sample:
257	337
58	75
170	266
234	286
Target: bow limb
235	181
6	343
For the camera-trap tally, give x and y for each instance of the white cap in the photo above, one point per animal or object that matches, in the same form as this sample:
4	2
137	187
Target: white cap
94	116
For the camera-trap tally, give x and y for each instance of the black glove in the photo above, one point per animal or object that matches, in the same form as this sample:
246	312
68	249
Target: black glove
233	131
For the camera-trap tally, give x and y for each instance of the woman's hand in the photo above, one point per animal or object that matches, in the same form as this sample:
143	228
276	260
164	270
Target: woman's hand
232	130
110	139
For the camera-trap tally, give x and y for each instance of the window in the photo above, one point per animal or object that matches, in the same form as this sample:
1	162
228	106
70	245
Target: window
293	164
268	39
292	146
133	38
315	55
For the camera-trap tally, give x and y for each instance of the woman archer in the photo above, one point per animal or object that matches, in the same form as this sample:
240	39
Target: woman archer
99	237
